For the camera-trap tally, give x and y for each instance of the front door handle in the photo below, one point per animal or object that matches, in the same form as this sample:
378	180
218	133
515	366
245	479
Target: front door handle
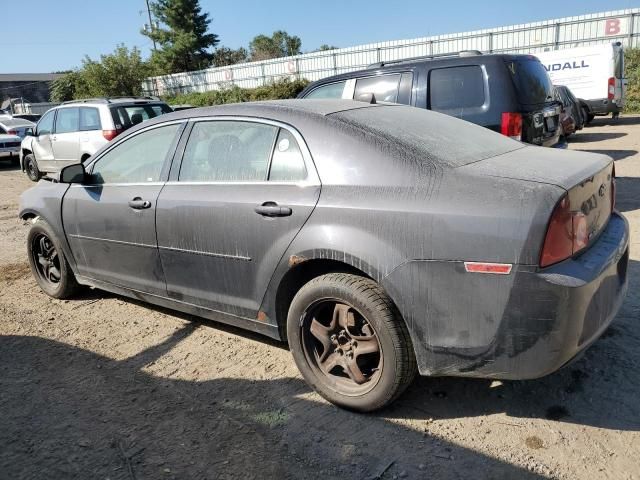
272	209
139	204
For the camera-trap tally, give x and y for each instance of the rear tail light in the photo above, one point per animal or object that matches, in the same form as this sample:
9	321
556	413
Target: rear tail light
613	187
567	234
611	88
511	125
12	132
110	134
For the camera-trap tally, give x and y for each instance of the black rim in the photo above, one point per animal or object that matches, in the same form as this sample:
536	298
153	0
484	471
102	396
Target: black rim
341	347
46	259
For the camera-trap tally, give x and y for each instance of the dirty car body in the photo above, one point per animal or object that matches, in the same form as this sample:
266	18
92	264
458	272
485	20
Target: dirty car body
450	219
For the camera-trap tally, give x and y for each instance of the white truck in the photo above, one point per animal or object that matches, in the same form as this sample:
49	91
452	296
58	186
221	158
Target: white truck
594	74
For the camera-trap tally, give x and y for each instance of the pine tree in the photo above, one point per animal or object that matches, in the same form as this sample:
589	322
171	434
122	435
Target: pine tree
182	36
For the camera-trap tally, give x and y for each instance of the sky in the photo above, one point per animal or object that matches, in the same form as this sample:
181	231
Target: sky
56	34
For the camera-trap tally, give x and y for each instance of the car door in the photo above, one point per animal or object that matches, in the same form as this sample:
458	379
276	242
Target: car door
110	220
41	141
66	139
243	191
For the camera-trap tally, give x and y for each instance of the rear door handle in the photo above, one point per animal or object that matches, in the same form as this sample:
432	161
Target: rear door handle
139	204
272	209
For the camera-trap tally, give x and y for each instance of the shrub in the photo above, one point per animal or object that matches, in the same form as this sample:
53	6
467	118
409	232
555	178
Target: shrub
632	73
277	90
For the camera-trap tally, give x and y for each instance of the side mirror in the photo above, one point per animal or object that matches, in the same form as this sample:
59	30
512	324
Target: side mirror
29	132
73	174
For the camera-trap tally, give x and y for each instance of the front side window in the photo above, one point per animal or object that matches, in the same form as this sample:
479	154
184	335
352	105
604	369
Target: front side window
138	159
89	119
455	88
68	120
228	151
383	87
45	125
332	90
287	164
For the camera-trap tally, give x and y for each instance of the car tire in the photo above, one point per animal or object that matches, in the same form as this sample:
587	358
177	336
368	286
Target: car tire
333	325
48	263
31	168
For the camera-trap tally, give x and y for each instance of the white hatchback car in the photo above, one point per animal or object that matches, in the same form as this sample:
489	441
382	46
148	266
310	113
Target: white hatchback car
72	132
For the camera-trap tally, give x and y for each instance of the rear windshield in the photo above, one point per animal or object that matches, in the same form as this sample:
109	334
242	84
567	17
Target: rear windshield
531	80
125	116
425	136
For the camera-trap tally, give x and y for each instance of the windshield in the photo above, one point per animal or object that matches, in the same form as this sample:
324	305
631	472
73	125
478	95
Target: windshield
531	80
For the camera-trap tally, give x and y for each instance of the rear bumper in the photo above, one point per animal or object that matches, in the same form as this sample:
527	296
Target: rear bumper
9	153
603	106
523	325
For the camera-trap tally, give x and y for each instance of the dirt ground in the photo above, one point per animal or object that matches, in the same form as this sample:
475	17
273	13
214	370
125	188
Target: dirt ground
102	387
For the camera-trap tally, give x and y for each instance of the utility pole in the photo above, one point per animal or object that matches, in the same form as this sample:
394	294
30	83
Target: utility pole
151	25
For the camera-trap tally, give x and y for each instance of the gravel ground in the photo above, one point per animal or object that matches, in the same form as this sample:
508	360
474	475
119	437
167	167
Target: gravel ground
105	387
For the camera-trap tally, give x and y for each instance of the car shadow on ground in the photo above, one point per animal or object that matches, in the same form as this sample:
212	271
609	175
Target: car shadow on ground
623	120
8	166
614	154
627	193
75	414
586	136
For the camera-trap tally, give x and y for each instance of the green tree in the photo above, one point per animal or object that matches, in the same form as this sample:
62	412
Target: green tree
223	56
324	47
120	73
182	36
280	44
64	88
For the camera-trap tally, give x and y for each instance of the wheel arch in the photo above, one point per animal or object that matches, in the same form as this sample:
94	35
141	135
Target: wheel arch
301	270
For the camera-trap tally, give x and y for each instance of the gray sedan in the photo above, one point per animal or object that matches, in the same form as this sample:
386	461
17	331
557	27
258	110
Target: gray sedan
15	126
378	240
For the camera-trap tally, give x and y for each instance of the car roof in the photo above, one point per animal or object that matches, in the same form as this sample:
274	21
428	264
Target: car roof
16	122
412	63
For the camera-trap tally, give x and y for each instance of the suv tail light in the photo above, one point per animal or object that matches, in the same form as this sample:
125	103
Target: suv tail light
110	134
611	85
511	125
567	234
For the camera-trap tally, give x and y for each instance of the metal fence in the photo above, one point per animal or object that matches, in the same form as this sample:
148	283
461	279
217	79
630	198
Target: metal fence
599	28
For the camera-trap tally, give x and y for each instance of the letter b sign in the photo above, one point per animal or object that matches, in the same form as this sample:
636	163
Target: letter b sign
612	26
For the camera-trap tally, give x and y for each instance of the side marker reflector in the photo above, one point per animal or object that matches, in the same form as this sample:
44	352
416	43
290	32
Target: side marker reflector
481	267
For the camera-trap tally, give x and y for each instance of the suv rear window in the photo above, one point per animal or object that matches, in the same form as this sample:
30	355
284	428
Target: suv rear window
532	82
125	116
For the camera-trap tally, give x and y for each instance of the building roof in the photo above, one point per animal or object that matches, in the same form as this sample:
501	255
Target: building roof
28	77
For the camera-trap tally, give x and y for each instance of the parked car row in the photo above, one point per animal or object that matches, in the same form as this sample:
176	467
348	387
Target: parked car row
73	131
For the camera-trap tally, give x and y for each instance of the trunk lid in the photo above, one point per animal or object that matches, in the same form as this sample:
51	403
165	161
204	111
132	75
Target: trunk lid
586	177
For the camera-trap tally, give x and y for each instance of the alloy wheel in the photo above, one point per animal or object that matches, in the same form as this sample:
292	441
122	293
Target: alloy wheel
341	347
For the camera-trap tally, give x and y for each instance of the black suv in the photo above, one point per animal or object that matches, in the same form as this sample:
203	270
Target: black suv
511	94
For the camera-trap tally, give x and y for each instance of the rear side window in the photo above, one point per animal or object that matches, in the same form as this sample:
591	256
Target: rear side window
68	120
287	164
228	151
383	87
129	115
89	119
332	90
531	80
456	88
